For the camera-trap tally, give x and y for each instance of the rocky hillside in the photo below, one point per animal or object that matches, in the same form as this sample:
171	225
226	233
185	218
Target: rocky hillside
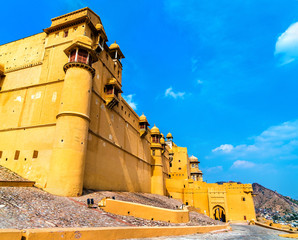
270	202
30	207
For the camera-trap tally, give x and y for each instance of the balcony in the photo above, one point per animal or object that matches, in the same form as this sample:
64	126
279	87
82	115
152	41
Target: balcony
111	100
112	90
195	171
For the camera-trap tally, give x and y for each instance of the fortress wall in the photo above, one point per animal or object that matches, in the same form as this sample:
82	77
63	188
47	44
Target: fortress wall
29	103
117	157
240	204
28	117
19	54
27	141
108	167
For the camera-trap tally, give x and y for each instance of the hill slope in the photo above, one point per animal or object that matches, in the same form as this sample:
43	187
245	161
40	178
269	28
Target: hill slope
270	202
30	207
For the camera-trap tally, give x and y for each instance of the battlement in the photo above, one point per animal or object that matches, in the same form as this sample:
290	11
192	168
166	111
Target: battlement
66	20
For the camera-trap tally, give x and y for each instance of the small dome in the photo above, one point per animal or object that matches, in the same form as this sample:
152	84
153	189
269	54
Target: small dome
143	118
162	140
99	27
83	39
193	159
162	135
169	135
114	46
155	130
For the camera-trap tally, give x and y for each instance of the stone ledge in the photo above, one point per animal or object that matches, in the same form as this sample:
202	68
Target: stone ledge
108	233
17	183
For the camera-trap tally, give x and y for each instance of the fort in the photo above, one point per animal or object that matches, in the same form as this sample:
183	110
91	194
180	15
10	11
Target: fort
65	125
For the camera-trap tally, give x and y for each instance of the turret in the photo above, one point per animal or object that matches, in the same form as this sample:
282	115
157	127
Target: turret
195	173
170	137
115	52
102	38
117	55
169	141
112	92
143	123
162	140
157	183
70	142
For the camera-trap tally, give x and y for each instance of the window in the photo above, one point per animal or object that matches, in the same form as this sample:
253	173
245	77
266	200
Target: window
35	154
153	152
100	42
82	56
57	34
72	57
244	217
75	29
0	154
243	199
109	89
65	33
155	139
170	164
179	168
16	155
143	126
179	160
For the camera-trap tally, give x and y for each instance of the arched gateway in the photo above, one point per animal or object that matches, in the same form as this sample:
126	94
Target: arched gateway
219	213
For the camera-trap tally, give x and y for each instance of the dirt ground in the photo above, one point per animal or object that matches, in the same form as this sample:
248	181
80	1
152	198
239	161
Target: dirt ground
30	207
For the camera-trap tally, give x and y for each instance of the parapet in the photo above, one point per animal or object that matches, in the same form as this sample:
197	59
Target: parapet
69	19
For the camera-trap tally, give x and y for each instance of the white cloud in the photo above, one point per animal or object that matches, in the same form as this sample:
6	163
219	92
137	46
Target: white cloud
170	93
286	47
129	100
243	164
276	142
226	148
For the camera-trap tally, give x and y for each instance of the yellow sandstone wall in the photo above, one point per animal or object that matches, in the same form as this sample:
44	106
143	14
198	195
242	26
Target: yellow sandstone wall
144	211
180	165
30	99
235	199
40	105
206	196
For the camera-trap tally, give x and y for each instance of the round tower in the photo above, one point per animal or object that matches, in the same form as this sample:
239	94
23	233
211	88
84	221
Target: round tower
195	173
157	182
70	143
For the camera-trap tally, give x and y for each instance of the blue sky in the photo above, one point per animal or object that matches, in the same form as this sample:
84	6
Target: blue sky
222	76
